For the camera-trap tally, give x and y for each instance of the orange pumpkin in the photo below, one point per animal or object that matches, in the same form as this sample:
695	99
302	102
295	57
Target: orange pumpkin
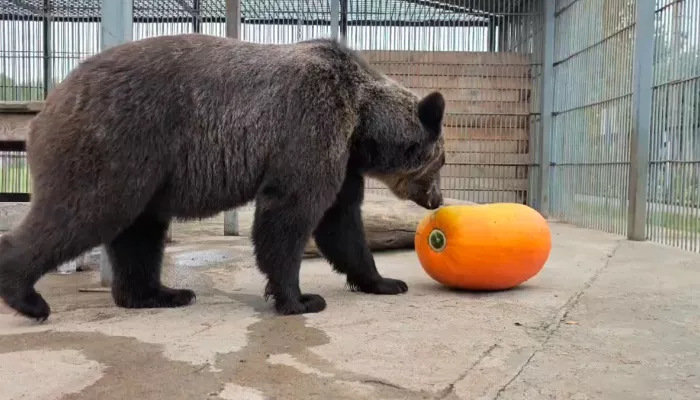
483	246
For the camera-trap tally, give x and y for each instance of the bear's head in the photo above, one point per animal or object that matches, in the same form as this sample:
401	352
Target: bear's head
399	142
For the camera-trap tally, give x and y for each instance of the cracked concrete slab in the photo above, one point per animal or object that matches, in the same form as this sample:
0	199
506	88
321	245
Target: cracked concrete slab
605	319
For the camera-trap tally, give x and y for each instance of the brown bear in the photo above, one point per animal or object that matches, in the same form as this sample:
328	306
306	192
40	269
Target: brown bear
187	126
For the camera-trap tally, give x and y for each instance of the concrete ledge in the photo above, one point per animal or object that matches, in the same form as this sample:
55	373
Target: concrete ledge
11	214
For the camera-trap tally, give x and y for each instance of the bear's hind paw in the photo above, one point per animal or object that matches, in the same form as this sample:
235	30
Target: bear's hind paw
307	303
29	304
165	297
385	286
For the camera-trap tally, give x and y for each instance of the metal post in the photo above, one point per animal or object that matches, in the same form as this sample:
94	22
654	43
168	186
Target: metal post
116	28
233	30
501	25
547	107
335	26
48	72
196	15
233	19
231	223
643	81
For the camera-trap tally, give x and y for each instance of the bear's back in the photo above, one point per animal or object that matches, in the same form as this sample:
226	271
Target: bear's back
191	83
196	104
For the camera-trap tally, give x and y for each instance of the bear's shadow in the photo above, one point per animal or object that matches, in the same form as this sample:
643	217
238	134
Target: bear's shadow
437	288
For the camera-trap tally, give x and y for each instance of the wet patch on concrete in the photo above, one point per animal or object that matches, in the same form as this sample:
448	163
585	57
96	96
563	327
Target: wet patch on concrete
278	363
61	372
235	392
201	258
133	369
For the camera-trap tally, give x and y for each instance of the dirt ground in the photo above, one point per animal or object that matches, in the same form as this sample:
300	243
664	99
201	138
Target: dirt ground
605	319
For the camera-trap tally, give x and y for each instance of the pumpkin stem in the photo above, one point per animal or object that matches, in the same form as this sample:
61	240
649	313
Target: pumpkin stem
437	240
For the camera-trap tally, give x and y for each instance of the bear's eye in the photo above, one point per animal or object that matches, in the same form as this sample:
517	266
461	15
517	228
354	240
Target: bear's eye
412	150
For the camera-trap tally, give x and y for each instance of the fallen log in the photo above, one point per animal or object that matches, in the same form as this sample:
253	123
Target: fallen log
390	223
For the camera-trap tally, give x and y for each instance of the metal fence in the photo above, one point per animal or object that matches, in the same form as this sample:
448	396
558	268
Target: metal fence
674	176
591	115
600	65
571	106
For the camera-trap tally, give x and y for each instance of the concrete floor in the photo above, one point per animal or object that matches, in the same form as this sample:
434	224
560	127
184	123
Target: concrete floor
605	319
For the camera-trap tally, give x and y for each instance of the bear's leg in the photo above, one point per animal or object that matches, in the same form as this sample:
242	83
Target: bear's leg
48	236
283	225
136	255
341	239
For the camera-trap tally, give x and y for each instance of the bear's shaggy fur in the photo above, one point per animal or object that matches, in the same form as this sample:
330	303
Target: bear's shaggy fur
190	125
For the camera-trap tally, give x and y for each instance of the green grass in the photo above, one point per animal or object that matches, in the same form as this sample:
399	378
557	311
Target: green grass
15	179
612	214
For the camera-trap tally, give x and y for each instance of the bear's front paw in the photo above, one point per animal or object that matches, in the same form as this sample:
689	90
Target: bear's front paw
381	286
307	303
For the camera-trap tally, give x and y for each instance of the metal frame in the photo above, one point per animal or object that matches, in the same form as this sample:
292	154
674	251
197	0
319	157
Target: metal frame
233	30
643	81
547	104
115	29
18	146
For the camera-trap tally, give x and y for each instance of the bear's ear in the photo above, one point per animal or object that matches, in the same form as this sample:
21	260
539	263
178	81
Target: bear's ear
431	109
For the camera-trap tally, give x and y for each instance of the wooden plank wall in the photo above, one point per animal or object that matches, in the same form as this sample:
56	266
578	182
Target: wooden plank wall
487	123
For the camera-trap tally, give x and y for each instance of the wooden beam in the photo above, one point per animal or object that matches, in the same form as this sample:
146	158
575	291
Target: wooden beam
447	57
461	82
436	69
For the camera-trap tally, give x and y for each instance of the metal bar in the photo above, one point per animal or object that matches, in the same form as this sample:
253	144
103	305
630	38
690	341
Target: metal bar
233	30
592	45
592	104
13	145
492	34
263	21
446	6
547	107
46	48
643	66
233	19
7	197
116	29
501	24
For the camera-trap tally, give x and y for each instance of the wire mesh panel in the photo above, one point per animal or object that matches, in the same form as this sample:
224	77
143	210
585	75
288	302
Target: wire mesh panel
15	181
673	215
21	51
41	41
479	54
164	17
272	21
592	123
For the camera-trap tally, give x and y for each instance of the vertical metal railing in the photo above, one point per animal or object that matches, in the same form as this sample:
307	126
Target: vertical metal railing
673	208
564	120
592	113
